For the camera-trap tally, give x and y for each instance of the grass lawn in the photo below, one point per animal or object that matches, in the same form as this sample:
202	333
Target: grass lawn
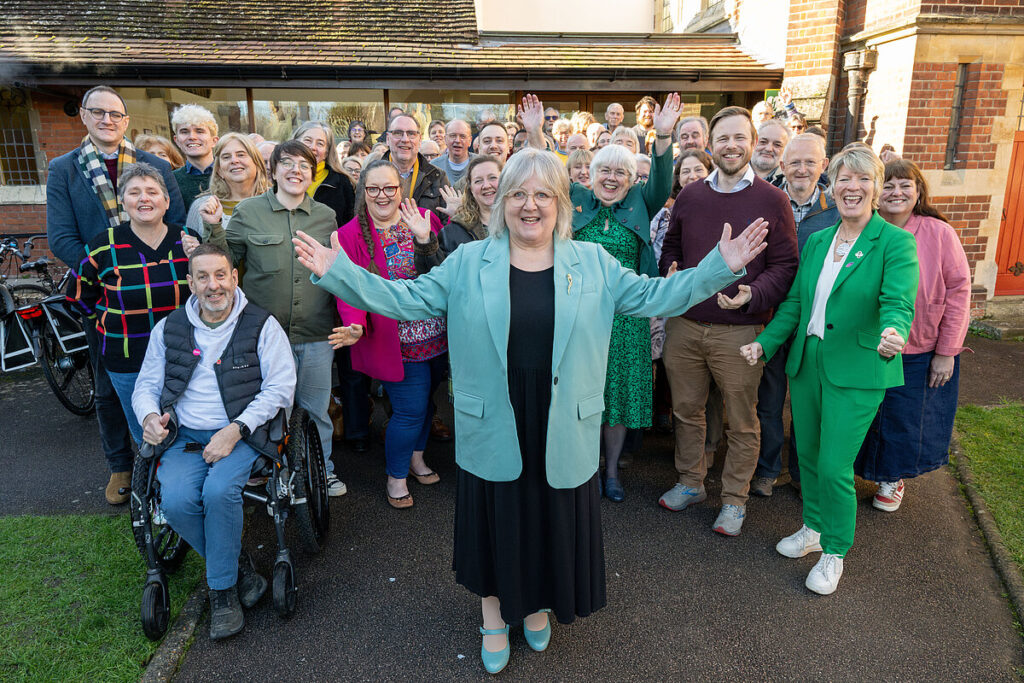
992	442
70	587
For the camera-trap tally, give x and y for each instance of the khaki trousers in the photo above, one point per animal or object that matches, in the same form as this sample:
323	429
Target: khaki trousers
695	353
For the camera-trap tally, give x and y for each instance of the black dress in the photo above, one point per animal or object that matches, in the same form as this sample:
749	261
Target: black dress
531	545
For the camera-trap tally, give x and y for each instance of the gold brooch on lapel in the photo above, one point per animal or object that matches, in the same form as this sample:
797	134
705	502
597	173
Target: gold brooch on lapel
579	209
859	254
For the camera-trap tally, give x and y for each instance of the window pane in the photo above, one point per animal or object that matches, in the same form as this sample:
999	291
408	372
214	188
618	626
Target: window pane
445	105
150	109
17	148
279	111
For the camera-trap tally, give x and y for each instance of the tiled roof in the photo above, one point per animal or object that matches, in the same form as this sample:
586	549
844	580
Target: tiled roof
332	38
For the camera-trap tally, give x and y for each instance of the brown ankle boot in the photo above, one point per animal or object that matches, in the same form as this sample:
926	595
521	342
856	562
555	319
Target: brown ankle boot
119	488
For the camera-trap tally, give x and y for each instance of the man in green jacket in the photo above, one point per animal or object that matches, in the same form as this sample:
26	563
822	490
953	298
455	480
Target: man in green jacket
259	235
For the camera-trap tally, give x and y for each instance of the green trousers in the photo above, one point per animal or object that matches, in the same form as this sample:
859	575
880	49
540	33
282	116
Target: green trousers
831	423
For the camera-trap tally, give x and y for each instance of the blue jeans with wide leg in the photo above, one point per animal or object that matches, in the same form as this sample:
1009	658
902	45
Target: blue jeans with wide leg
203	502
412	412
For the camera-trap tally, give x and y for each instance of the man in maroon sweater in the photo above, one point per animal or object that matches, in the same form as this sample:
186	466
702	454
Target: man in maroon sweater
704	343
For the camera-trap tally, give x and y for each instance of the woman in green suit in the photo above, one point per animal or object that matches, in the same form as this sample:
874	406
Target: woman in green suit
529	320
849	311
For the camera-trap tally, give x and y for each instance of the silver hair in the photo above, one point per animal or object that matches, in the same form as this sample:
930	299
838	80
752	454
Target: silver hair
816	140
624	132
614	156
332	158
546	168
140	170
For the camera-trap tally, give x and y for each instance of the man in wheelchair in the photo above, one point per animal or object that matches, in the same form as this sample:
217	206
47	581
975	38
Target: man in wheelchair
217	375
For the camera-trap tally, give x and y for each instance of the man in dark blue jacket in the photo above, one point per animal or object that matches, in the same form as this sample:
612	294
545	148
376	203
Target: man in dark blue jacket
801	166
81	201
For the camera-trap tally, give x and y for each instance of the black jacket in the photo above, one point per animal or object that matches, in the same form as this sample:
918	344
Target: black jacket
429	182
434	252
336	191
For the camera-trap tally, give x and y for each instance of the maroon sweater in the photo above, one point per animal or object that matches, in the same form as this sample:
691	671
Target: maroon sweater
695	226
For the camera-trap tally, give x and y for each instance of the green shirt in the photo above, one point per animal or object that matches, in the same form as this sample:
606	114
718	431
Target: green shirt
260	238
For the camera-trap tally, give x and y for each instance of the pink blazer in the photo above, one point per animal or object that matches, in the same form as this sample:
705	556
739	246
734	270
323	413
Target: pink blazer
943	306
378	353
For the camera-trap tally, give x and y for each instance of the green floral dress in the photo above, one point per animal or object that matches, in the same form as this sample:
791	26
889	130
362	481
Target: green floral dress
628	384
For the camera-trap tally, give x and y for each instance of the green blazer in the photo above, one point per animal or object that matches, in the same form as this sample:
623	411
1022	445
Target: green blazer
471	287
875	289
636	210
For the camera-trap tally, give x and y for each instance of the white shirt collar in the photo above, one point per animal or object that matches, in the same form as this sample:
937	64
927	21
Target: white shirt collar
746	181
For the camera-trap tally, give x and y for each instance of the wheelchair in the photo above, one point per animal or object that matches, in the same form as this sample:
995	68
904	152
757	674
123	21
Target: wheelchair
296	486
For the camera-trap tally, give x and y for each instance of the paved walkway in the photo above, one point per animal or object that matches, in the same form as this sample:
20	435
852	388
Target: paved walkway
919	599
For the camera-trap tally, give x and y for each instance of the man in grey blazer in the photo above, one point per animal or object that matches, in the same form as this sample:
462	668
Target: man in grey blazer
81	201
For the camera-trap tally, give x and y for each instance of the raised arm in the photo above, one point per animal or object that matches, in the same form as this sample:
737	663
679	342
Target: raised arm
531	111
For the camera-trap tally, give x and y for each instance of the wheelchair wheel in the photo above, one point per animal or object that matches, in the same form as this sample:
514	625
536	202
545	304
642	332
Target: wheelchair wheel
155	612
306	457
169	546
284	589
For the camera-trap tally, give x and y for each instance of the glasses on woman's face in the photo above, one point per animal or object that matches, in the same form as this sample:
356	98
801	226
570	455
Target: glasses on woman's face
289	164
541	198
389	191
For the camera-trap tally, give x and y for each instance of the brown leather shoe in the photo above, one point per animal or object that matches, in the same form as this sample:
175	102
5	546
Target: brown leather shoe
400	503
119	488
426	479
439	430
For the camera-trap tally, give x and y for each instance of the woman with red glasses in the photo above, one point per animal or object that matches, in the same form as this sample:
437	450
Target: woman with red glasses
410	358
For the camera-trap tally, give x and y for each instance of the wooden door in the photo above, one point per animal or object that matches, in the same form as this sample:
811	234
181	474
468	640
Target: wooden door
1010	251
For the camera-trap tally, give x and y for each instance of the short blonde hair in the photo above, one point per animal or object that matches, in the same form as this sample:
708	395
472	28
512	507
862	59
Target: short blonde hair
581	157
859	160
218	186
561	125
614	156
147	142
548	169
193	115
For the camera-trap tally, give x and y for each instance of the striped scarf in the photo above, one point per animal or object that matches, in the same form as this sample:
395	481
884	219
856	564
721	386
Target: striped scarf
95	171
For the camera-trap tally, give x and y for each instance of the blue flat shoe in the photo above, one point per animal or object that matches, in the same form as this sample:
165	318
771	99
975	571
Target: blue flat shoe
494	662
613	490
539	640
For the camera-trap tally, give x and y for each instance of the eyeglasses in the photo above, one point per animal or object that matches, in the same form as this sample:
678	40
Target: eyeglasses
404	133
617	173
388	190
641	178
430	157
552	118
290	164
98	114
541	199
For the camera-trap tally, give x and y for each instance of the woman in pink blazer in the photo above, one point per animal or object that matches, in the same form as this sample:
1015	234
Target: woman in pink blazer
910	435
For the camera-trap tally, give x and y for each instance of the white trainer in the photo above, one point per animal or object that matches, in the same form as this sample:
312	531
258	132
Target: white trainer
335	487
801	543
889	496
823	578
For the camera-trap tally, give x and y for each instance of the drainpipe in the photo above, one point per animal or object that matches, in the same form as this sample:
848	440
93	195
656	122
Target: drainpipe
856	64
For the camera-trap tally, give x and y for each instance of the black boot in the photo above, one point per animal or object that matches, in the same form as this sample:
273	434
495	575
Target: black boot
226	618
251	586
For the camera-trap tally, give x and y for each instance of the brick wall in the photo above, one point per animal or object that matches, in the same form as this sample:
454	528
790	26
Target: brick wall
931	98
966	214
870	15
983	9
812	40
56	134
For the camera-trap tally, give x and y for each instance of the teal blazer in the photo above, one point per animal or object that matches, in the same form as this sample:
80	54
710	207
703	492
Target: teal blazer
635	211
471	287
875	289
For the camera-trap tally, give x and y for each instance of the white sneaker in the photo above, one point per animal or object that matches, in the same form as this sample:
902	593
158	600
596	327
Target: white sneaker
824	576
730	520
889	496
801	543
335	487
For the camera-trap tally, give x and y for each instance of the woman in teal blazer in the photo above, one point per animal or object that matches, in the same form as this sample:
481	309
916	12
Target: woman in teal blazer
529	318
849	313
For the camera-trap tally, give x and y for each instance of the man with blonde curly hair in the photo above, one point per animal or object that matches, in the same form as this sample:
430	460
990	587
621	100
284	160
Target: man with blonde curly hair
195	134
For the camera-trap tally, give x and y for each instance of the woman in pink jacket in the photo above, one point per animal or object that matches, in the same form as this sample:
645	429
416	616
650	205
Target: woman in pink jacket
410	358
910	435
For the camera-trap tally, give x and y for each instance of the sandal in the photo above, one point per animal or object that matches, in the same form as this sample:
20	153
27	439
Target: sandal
400	503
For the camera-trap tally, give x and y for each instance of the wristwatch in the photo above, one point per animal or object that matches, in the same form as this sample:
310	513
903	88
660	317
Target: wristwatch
243	428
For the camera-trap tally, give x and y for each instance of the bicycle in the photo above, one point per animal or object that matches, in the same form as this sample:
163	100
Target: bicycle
25	292
37	325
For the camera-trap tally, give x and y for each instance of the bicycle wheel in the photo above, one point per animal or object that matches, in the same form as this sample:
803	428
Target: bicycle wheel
69	375
28	294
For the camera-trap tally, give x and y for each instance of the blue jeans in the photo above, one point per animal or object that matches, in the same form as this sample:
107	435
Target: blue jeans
124	385
313	362
412	412
203	502
771	400
114	435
